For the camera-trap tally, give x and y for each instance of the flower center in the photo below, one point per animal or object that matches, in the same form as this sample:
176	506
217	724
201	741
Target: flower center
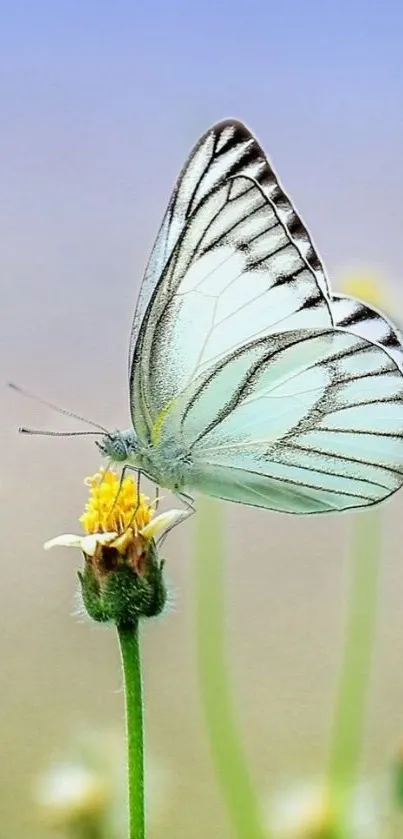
113	504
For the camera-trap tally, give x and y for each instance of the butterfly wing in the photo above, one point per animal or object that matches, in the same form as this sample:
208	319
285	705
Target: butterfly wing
357	317
228	149
232	262
301	423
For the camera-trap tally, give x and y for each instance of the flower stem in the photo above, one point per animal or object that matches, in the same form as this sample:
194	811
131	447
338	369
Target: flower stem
130	652
226	748
345	751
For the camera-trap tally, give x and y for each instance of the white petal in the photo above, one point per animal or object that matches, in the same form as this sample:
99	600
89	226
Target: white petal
163	522
87	544
66	540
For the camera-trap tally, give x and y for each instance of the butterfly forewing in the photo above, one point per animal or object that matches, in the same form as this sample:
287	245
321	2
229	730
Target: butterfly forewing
228	149
232	271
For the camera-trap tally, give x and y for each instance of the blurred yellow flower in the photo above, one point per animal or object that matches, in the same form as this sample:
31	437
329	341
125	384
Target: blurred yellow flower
368	286
303	812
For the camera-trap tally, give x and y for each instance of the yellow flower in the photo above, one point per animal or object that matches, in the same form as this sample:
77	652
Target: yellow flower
115	517
122	579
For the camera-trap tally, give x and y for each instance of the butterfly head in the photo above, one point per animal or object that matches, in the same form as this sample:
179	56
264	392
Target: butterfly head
119	446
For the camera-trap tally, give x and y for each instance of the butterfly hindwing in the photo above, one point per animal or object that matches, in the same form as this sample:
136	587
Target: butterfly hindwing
357	317
308	423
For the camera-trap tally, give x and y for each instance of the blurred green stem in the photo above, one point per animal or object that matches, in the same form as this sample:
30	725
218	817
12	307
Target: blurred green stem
130	652
345	751
215	692
86	829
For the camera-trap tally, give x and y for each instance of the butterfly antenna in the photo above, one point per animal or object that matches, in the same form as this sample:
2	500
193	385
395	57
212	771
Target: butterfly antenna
53	407
40	433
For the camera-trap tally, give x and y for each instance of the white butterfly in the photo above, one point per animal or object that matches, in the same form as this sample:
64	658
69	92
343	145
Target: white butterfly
249	380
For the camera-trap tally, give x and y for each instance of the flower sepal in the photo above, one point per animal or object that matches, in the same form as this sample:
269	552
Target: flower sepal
124	587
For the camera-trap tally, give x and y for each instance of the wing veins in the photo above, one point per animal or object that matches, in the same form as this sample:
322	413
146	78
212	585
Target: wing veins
293	482
349	458
388	434
234	402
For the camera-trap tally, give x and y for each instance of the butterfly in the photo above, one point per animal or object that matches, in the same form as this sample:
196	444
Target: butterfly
249	379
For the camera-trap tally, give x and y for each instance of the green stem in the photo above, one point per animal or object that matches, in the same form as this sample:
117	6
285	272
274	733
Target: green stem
345	751
130	652
226	748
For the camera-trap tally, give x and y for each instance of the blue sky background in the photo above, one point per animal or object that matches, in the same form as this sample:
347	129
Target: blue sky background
100	104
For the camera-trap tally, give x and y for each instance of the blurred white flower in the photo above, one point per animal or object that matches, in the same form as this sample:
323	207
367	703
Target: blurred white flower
304	811
70	792
87	789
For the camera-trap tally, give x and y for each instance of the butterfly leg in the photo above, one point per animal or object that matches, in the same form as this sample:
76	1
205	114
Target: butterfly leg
139	472
103	478
188	501
122	477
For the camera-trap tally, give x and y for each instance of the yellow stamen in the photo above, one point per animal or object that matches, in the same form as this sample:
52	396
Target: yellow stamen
114	506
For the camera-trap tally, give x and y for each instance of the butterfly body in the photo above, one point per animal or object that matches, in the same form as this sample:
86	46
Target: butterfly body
167	464
249	379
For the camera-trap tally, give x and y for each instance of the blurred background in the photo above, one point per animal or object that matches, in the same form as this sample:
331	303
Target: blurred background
100	104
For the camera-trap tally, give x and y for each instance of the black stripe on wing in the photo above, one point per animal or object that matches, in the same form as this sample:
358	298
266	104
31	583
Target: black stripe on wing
358	317
232	135
239	216
228	150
